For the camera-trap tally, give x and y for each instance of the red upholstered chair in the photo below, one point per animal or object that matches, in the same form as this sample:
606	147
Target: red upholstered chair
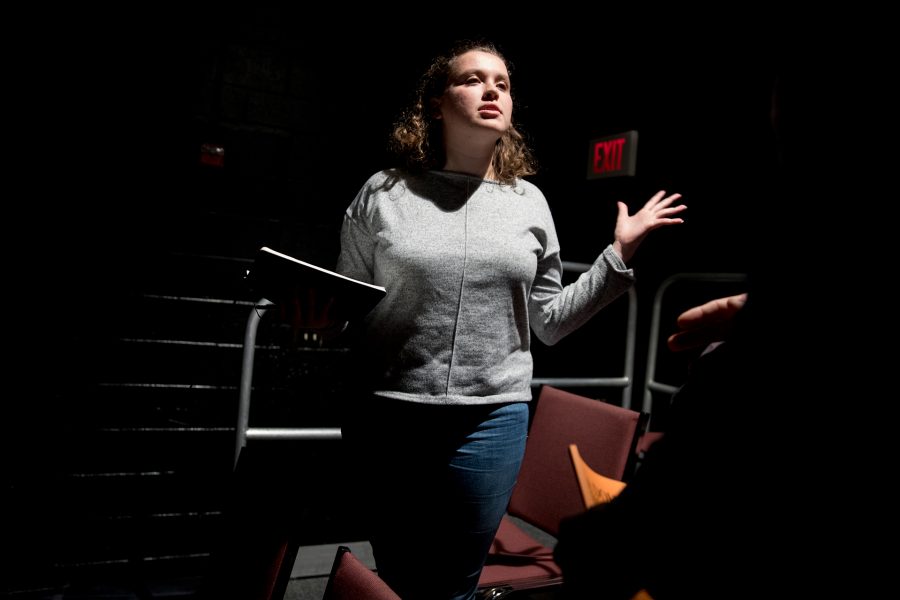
351	579
547	489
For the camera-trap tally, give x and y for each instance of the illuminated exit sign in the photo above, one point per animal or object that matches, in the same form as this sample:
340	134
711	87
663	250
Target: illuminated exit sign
613	155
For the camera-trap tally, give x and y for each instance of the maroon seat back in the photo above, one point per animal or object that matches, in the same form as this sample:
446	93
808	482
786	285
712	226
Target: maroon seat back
605	434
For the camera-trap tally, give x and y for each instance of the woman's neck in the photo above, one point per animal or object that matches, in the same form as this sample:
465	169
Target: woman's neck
478	164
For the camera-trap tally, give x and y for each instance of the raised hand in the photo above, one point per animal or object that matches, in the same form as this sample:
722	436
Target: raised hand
632	229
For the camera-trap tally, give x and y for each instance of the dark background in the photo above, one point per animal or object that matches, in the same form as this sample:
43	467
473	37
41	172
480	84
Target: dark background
304	107
108	110
119	105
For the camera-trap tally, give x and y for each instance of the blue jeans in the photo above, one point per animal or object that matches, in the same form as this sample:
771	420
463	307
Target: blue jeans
436	483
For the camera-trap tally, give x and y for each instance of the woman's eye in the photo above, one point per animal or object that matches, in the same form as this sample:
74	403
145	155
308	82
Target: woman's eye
472	80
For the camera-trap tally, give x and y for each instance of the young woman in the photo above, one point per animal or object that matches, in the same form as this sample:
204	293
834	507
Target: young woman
468	253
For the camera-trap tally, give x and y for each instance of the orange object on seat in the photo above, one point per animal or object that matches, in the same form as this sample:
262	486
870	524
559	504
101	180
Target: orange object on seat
595	488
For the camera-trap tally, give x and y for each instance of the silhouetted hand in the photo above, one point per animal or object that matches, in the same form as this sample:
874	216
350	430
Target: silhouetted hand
705	324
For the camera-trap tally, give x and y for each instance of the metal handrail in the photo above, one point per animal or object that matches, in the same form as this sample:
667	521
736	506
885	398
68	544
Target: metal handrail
245	432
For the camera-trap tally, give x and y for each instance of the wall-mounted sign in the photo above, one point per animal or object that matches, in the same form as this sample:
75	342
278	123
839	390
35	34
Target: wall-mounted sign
212	155
613	155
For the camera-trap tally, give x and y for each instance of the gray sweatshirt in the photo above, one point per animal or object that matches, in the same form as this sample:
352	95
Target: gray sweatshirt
470	267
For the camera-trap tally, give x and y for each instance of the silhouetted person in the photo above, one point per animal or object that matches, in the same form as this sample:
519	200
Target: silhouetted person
723	505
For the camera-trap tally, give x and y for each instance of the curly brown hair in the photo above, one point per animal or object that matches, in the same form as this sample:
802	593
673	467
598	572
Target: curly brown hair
417	137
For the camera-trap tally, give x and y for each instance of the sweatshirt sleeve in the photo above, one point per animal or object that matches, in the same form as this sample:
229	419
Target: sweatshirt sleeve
555	310
356	258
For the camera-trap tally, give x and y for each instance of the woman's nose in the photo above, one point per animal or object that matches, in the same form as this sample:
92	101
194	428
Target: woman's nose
490	92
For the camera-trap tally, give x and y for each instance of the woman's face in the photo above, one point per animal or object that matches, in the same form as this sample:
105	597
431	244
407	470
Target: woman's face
477	101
